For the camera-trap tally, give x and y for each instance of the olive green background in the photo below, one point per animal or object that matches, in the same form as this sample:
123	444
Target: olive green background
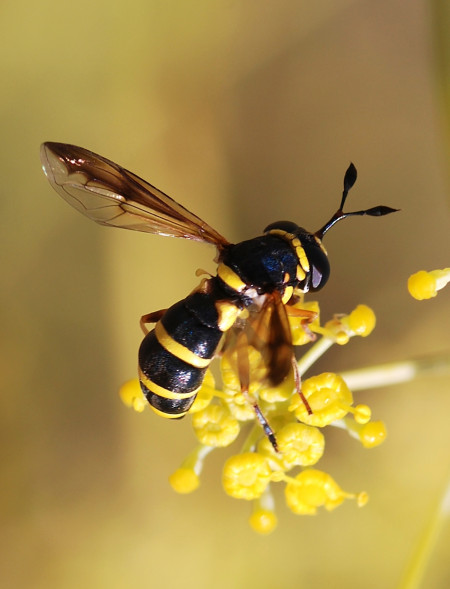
246	112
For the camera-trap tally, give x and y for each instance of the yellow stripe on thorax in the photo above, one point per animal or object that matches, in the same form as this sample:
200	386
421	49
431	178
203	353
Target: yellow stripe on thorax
178	350
161	391
288	292
301	255
294	241
230	278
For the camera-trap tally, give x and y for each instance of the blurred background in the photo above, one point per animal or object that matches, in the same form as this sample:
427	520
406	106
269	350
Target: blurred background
246	112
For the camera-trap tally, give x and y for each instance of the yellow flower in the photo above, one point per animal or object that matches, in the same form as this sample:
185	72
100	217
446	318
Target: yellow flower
290	437
280	393
372	434
246	476
132	396
263	521
230	375
205	394
361	320
328	396
298	445
312	489
184	480
215	426
299	329
424	285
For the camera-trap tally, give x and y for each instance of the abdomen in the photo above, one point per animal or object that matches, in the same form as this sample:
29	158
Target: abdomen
175	355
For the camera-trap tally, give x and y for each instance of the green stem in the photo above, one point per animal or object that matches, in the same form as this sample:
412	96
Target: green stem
415	571
314	353
396	372
252	438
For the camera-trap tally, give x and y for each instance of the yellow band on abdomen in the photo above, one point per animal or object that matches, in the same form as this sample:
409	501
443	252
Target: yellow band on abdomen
161	391
178	350
168	415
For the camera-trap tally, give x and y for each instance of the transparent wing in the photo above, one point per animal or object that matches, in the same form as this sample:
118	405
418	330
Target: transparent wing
270	333
110	195
267	330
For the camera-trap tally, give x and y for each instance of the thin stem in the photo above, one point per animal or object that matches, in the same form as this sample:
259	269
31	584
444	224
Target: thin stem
251	439
415	571
396	372
196	457
314	353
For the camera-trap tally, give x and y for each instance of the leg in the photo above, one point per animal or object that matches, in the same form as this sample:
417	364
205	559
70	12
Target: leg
298	385
306	317
151	318
244	379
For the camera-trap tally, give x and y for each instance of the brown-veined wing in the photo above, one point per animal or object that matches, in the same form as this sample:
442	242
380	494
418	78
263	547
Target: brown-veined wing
111	195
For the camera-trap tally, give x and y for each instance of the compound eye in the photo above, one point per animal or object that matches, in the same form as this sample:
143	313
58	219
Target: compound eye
319	268
287	226
317	278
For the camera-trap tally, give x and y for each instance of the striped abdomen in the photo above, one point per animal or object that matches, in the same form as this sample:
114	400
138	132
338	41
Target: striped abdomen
174	356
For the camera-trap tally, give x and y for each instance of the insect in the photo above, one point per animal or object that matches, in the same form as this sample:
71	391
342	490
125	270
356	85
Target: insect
245	304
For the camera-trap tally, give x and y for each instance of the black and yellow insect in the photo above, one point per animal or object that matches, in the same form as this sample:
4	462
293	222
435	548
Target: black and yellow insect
246	303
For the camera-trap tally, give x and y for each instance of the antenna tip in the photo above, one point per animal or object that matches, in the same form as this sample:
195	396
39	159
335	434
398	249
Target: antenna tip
380	210
350	177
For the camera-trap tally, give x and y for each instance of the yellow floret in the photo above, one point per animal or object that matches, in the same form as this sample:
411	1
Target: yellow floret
240	408
312	489
205	394
362	413
246	476
280	393
362	320
215	426
424	285
372	434
230	376
300	444
300	335
263	521
184	480
132	396
362	499
328	396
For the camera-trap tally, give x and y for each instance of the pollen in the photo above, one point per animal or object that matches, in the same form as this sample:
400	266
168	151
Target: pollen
215	426
184	480
362	414
312	489
362	320
206	393
425	285
328	396
263	521
280	393
240	408
342	338
246	476
299	329
229	371
300	445
132	396
372	434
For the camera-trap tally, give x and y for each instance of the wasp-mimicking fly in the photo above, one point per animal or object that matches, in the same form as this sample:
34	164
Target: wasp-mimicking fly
245	304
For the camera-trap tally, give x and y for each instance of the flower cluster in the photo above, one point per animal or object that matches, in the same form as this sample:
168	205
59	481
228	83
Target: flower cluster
220	413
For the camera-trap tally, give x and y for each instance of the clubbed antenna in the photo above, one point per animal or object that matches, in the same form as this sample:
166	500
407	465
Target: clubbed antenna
349	180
